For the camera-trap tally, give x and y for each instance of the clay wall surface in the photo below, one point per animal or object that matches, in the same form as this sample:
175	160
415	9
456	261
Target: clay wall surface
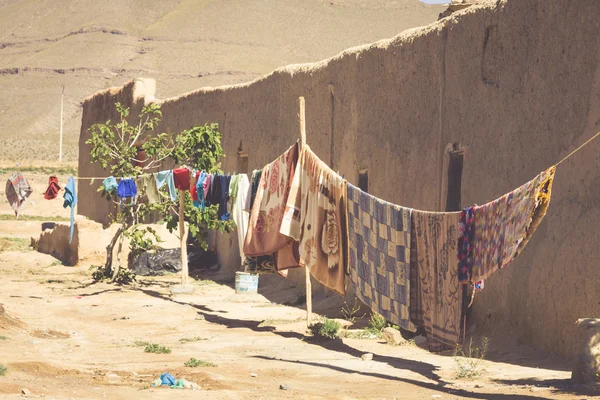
514	83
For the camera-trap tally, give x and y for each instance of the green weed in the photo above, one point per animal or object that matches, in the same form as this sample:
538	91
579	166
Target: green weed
3	337
193	363
156	349
377	324
14	244
350	313
468	360
12	217
328	328
2	370
193	339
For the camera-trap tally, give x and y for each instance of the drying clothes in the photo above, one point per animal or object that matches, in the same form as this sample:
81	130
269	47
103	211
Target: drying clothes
233	186
263	235
110	184
214	194
254	182
163	177
53	188
466	236
126	189
239	215
379	255
436	295
70	197
223	214
200	199
181	177
147	185
17	191
206	185
260	264
314	216
504	226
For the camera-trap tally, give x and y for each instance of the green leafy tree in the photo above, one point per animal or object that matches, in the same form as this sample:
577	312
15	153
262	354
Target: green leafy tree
117	147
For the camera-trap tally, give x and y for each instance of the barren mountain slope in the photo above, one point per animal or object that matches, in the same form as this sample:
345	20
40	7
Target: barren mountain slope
89	45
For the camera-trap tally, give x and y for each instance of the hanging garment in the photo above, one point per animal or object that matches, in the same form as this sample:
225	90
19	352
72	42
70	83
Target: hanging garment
436	295
233	186
181	177
466	236
200	200
126	189
504	226
214	194
314	216
240	217
110	184
17	191
223	214
272	191
254	182
70	197
193	186
53	188
206	186
379	255
147	186
163	177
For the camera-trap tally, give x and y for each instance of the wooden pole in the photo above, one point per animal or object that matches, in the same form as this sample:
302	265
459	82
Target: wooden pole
62	95
302	120
183	239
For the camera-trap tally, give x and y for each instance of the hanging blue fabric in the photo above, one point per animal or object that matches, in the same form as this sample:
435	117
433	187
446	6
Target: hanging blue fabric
200	191
110	184
70	197
167	176
126	189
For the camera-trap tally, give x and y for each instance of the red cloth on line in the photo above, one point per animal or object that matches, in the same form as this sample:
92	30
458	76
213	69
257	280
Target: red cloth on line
181	178
53	188
193	189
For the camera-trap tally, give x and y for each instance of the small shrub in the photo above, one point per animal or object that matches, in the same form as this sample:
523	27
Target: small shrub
2	370
193	339
468	360
328	328
377	324
193	363
350	313
3	337
139	343
156	349
124	277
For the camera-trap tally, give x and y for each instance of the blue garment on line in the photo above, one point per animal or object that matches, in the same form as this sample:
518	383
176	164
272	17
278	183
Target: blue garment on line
167	176
110	184
126	189
223	197
70	197
200	191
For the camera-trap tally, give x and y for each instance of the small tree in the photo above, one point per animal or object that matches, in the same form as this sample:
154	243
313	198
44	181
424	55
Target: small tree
116	146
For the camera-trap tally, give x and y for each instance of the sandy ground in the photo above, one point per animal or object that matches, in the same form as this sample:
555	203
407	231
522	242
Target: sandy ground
64	335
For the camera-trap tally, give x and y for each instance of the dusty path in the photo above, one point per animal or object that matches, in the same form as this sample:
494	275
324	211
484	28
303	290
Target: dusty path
65	338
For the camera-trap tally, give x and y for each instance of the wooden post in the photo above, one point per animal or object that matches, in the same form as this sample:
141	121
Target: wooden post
302	120
183	239
62	95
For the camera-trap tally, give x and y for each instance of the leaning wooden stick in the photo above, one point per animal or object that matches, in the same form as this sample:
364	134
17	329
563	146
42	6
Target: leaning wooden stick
302	119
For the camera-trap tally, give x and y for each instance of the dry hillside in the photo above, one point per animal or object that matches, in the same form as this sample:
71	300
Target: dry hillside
185	44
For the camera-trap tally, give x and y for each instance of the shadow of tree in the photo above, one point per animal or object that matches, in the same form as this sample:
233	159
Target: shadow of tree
556	385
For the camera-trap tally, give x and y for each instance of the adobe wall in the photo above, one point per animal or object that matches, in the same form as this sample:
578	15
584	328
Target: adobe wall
516	83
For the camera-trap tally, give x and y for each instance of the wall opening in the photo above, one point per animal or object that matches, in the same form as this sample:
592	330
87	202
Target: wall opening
363	180
454	179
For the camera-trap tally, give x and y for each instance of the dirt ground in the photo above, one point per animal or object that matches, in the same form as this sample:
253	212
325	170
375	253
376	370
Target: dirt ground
64	337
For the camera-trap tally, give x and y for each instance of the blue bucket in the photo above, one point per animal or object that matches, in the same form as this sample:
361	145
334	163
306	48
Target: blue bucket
246	283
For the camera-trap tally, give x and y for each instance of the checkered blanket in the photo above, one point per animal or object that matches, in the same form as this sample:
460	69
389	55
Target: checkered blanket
379	255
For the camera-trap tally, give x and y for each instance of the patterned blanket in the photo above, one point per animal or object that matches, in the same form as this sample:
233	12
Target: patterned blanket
379	255
504	226
314	216
436	295
266	248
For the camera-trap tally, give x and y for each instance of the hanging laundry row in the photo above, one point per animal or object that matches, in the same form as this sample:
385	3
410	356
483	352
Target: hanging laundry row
405	264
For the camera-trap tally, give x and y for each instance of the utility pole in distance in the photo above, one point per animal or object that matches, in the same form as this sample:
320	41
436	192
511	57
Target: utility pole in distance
62	95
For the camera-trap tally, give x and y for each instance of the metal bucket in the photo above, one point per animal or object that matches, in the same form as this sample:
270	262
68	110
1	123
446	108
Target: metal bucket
246	283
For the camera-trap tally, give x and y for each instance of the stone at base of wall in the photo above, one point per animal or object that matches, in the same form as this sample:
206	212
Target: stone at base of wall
89	242
586	369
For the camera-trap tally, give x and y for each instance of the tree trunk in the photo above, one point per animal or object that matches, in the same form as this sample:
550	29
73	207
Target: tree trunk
110	248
